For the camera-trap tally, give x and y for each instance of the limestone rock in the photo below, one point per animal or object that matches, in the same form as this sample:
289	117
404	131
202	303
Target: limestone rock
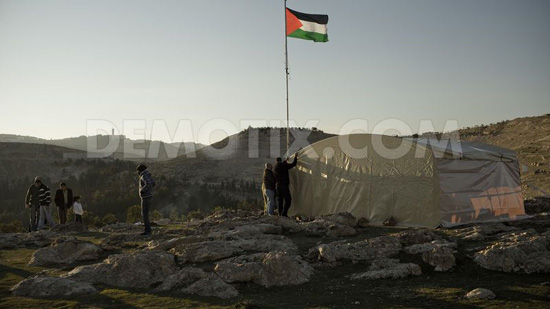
211	285
522	251
43	286
413	237
363	222
344	218
366	250
339	230
429	246
196	281
266	269
69	228
141	269
163	244
481	231
163	221
65	250
118	241
205	251
181	279
20	240
480	293
441	258
329	228
122	228
389	268
289	225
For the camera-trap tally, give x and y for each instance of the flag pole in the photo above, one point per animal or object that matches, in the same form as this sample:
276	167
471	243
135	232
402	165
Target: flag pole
286	74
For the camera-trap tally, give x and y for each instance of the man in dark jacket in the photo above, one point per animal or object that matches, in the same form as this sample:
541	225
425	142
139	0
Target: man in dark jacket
146	184
282	185
32	202
268	185
63	200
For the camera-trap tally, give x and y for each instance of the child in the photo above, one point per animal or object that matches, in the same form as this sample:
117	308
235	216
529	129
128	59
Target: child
77	209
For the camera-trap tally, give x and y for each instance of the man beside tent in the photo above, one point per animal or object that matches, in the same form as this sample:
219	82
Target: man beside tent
282	184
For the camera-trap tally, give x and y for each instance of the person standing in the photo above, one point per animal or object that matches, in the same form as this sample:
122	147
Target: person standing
32	202
63	200
146	184
44	201
283	183
77	209
268	184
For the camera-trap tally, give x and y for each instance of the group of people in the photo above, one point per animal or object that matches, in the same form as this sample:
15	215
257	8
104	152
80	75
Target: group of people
275	183
38	200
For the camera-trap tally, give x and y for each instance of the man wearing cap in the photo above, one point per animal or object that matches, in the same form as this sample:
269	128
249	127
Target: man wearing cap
146	184
63	200
32	201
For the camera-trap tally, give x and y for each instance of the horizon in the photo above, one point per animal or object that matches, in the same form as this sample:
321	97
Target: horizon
471	63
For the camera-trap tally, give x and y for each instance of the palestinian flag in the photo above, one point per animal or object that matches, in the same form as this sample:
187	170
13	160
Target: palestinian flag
306	26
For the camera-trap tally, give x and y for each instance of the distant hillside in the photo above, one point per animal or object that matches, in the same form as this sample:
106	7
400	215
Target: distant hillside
530	137
233	159
21	160
117	146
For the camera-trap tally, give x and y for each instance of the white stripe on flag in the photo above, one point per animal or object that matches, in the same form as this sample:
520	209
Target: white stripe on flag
313	27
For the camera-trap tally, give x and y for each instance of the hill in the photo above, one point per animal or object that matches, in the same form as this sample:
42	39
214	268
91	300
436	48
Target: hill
114	146
530	138
239	156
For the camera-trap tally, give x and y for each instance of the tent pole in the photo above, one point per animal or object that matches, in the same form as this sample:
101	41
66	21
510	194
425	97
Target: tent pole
286	74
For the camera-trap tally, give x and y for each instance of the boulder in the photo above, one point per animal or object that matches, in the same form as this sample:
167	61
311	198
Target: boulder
141	269
363	222
480	293
343	218
43	286
524	251
70	228
163	244
163	221
212	285
366	250
118	241
206	251
441	258
482	231
429	246
20	240
65	250
339	230
266	269
196	281
265	243
321	228
248	230
122	228
181	279
413	237
389	268
289	225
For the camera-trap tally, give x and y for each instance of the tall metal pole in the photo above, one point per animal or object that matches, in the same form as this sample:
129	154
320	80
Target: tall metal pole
287	73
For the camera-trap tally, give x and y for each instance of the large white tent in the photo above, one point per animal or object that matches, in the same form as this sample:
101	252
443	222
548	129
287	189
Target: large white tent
418	182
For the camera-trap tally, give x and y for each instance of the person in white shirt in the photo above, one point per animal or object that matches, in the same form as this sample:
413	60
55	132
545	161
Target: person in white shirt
77	209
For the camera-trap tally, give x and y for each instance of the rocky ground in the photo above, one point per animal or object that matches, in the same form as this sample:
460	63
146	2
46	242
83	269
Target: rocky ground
243	260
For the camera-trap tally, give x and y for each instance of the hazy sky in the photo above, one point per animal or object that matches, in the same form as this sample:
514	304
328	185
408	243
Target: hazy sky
65	62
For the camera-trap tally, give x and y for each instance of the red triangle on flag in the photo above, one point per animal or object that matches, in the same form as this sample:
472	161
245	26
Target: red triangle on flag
292	22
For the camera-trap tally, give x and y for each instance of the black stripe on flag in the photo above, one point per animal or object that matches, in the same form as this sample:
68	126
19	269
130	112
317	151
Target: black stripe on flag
315	18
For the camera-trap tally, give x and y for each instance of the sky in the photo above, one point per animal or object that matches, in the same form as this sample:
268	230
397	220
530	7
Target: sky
210	68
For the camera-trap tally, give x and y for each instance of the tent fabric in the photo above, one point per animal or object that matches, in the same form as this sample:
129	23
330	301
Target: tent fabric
420	183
